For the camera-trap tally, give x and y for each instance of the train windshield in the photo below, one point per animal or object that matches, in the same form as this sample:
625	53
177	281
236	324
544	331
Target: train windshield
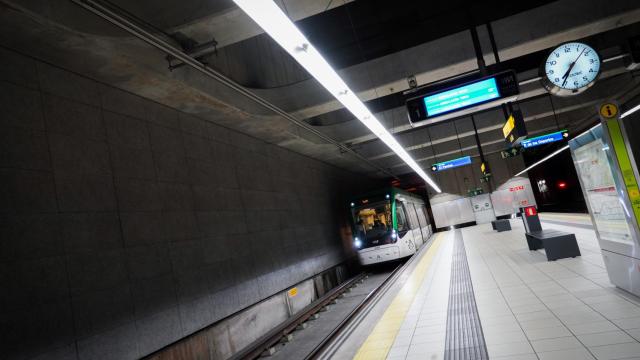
373	224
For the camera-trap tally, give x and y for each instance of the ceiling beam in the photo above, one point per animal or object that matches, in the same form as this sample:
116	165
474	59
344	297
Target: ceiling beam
233	25
454	54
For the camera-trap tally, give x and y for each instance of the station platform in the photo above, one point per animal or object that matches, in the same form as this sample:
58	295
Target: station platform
474	293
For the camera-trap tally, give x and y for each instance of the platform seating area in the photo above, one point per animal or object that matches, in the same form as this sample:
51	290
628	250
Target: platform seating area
501	225
556	244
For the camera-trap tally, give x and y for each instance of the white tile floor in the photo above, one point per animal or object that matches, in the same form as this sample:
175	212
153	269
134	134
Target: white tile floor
530	308
534	309
422	334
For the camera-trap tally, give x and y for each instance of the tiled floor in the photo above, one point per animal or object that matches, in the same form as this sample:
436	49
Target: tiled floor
423	331
534	309
530	308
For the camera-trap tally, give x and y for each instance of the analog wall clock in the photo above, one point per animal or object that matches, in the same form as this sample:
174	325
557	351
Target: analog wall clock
570	69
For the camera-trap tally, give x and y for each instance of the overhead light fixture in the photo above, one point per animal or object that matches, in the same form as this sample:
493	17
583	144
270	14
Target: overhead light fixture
543	160
275	23
630	111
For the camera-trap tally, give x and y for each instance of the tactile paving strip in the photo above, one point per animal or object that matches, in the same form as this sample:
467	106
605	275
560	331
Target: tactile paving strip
464	338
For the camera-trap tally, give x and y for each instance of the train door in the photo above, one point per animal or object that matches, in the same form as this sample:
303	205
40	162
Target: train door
405	235
421	223
424	224
415	224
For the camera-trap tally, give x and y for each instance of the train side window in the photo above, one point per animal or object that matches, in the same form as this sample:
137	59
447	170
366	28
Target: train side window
401	217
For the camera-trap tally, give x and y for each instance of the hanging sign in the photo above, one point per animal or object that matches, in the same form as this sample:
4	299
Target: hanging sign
514	130
466	160
544	139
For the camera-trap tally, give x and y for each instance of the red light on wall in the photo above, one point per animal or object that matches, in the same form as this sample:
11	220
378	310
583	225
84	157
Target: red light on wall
562	185
530	211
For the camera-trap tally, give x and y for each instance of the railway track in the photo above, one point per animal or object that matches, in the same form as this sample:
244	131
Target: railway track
320	340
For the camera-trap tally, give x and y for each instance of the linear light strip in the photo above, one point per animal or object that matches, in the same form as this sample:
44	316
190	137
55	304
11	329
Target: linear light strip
630	111
543	160
275	23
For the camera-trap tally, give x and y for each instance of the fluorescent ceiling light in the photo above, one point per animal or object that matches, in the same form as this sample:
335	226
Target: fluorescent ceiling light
630	111
275	23
543	160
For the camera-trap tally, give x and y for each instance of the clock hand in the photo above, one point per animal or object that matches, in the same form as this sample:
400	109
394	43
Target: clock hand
566	75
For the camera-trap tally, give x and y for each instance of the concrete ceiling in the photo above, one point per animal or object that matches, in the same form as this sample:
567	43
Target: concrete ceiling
66	34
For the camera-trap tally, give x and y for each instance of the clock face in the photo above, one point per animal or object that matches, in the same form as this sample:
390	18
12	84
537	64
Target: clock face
571	68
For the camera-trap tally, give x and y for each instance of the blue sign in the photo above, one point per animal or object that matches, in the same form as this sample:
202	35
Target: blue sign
462	97
544	139
451	164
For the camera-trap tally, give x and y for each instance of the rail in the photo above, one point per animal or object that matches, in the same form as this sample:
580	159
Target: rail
272	338
361	306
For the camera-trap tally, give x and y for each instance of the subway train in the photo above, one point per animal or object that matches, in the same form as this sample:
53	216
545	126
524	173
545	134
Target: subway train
388	224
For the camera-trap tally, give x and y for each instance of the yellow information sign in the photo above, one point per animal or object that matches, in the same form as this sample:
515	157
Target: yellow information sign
608	110
293	292
508	126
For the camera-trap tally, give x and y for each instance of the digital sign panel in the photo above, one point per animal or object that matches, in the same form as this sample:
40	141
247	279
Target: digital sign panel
445	165
457	97
462	97
544	139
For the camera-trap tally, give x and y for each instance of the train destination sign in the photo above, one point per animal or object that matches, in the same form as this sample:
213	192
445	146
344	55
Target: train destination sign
458	100
466	160
461	97
544	139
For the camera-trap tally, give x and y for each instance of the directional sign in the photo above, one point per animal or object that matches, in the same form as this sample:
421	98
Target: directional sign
466	160
544	139
514	129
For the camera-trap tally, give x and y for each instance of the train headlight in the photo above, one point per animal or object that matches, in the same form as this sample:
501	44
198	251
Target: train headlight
357	242
394	235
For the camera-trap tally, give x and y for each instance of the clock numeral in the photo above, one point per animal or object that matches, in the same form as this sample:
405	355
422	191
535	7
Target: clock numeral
591	70
556	80
591	61
585	78
550	71
567	50
575	83
552	62
557	54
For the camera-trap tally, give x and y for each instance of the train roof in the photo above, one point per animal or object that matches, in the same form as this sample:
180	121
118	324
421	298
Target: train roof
387	190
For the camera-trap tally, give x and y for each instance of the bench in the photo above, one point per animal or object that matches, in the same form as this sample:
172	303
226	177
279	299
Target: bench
501	225
556	244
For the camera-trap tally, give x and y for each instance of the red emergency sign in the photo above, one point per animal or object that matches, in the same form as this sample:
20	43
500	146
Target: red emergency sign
530	211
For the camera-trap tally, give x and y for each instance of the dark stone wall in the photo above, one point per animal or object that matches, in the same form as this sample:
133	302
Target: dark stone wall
126	225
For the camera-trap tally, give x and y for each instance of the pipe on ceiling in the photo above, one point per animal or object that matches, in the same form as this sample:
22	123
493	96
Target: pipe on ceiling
131	27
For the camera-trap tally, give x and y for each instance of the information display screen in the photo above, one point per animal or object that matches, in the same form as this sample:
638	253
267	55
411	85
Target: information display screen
451	163
544	139
462	97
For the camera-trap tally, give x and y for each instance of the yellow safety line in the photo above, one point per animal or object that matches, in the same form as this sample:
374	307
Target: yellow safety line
379	342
